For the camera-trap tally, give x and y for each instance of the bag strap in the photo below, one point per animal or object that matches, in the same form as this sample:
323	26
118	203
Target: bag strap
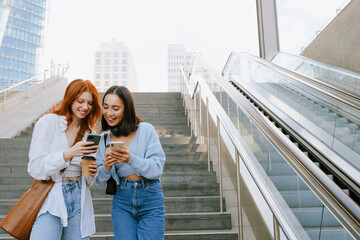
105	138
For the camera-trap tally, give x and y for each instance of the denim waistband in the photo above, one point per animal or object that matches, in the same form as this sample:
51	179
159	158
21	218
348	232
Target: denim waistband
71	182
137	183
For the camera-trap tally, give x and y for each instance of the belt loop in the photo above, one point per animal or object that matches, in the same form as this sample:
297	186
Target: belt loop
125	183
143	183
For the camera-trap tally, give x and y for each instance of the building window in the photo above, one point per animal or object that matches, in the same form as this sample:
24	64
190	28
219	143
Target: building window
98	61
107	83
124	54
124	61
107	61
124	69
116	62
98	54
116	54
98	76
107	54
124	76
106	76
116	69
97	83
116	76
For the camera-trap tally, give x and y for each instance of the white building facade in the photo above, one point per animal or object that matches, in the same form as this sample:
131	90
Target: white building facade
177	56
114	66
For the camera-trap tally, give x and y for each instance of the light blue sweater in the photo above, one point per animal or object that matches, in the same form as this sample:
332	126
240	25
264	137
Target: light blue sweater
147	157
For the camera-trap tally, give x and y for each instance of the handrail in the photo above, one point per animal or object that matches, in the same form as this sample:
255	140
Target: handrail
64	67
341	96
332	196
60	70
231	131
327	65
353	74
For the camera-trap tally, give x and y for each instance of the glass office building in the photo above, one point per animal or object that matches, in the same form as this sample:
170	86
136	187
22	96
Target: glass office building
21	40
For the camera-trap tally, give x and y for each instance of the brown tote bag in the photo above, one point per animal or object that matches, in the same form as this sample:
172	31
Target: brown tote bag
19	221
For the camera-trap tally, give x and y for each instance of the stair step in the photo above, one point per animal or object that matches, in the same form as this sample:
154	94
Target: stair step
180	235
191	192
179	221
172	204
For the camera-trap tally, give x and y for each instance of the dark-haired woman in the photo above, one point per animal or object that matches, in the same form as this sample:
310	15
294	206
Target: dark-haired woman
58	142
138	210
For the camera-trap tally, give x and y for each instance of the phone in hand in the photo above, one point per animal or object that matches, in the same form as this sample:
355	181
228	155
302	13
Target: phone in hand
115	144
94	137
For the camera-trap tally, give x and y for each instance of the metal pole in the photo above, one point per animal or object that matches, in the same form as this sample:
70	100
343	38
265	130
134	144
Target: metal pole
219	162
239	204
276	229
208	132
4	100
194	113
200	117
27	88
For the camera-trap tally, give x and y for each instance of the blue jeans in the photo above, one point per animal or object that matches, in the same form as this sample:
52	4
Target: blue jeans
49	227
138	210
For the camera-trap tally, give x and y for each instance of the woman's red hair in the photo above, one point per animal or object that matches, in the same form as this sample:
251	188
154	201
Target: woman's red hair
73	92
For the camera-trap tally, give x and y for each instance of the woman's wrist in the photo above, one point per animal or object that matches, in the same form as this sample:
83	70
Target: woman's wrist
67	155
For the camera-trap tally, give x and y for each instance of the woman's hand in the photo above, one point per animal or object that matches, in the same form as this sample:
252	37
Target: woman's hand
79	149
109	161
122	155
93	168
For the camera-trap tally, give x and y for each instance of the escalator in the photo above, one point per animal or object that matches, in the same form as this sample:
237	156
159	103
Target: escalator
344	79
258	86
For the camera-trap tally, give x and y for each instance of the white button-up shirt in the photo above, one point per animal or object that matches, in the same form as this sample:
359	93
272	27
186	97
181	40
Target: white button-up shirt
46	161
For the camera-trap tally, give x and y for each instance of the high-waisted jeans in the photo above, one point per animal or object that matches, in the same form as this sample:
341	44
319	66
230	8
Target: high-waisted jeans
49	227
138	210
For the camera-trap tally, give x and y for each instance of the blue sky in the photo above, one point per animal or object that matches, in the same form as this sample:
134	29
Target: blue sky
215	28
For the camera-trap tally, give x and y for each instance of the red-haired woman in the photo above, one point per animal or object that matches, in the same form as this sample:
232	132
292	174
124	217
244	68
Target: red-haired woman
57	143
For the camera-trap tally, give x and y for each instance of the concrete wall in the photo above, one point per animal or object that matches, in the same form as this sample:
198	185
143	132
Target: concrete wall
339	42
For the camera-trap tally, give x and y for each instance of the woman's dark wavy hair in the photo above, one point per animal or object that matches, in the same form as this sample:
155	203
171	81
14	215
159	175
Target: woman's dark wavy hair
130	120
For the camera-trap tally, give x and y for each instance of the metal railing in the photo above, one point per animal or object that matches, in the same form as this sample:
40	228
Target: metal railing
194	86
342	78
25	87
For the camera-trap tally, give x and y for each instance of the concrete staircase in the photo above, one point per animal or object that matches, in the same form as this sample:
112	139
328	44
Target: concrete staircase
191	192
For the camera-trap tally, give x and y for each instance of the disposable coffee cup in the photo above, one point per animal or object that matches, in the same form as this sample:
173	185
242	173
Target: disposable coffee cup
86	161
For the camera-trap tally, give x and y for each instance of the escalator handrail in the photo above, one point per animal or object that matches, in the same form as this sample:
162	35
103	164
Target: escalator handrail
339	95
322	65
319	63
336	200
231	131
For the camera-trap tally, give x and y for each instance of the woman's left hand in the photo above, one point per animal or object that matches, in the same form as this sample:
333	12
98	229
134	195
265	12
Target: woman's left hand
122	155
93	168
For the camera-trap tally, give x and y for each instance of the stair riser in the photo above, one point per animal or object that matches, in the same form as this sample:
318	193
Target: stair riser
169	191
179	222
18	179
188	236
192	205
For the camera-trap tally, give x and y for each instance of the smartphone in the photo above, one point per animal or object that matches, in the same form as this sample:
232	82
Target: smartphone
94	137
115	144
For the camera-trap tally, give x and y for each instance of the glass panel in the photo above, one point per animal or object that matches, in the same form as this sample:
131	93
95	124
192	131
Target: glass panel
331	123
341	78
303	210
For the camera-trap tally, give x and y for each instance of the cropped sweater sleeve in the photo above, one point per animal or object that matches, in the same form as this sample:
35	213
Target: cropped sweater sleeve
45	155
152	163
